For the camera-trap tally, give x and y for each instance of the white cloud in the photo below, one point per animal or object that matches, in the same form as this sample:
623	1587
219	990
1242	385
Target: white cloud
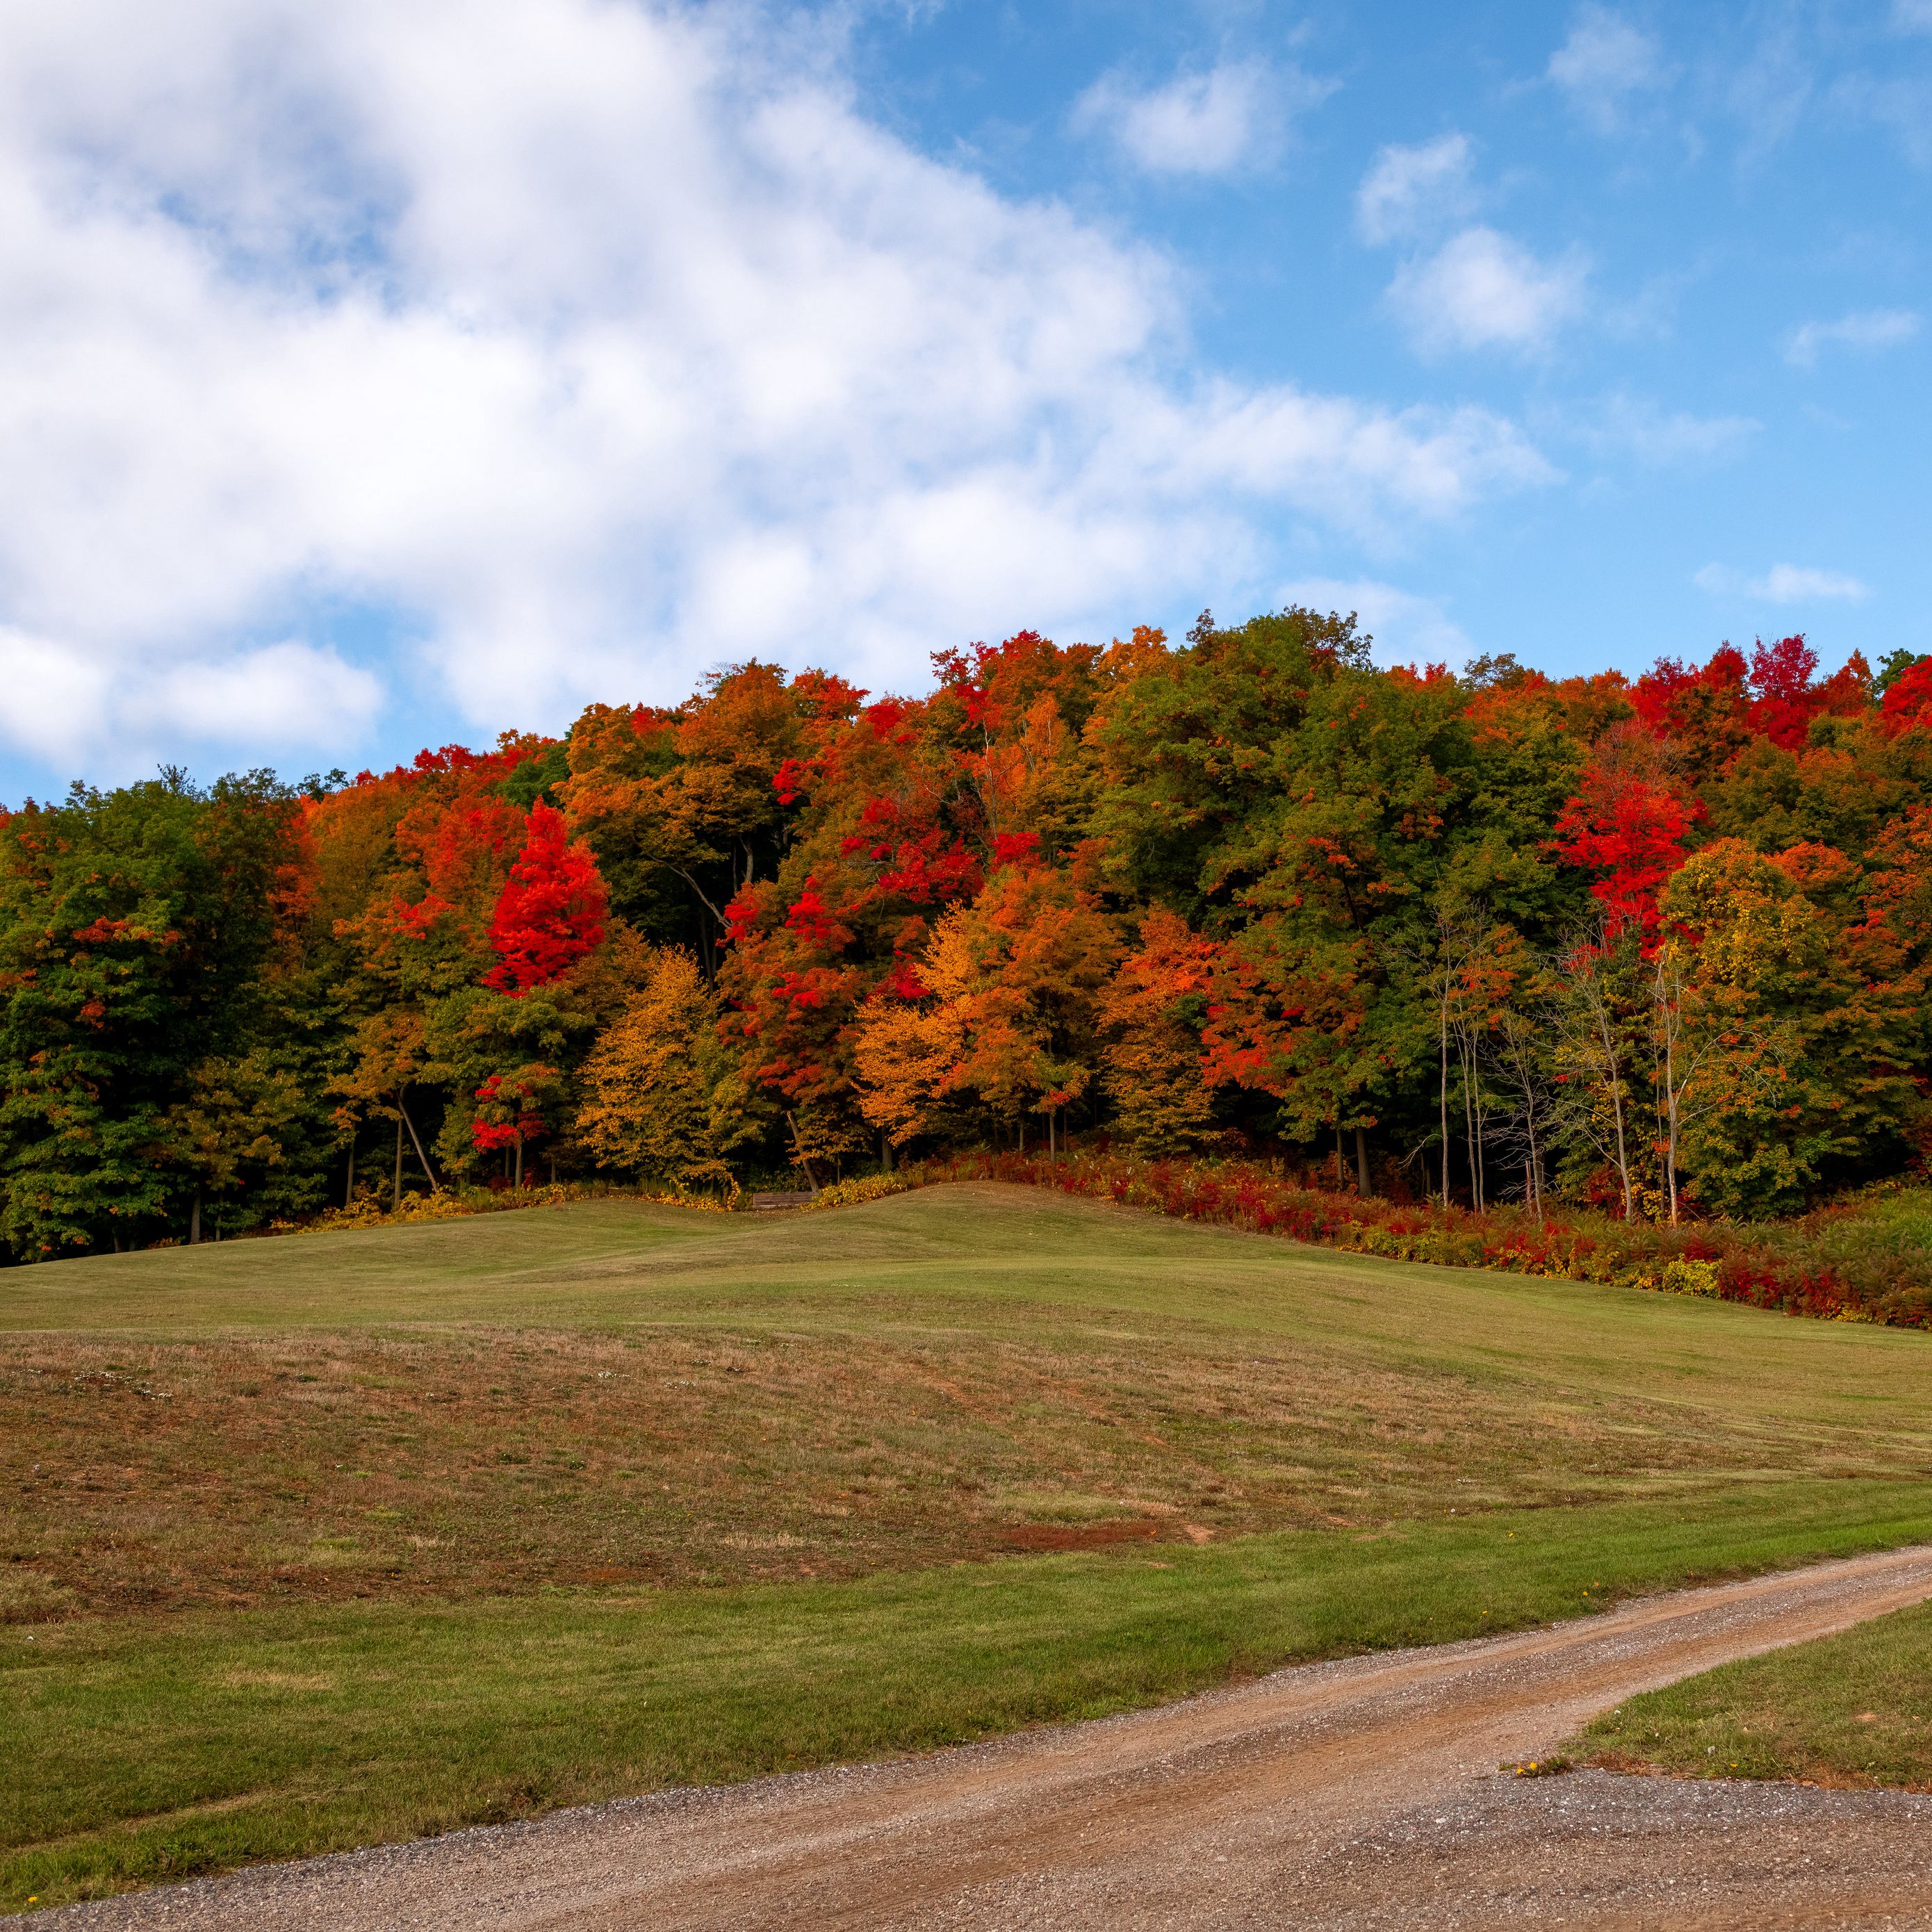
1604	63
1481	289
287	694
1407	189
51	698
1782	583
1234	116
57	703
1407	629
1864	328
1636	426
602	343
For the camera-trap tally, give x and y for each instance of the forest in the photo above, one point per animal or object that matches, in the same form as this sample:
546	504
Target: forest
1656	945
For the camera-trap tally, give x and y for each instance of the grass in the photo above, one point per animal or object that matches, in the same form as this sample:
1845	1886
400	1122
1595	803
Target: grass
308	1542
622	1394
1853	1710
161	1748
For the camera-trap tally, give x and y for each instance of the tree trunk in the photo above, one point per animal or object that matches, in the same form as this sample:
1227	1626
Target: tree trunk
1442	1088
1468	1060
1362	1161
349	1186
396	1191
798	1148
885	1151
194	1220
415	1140
519	1163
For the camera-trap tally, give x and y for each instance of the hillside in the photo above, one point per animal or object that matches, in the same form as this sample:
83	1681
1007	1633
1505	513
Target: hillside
508	1460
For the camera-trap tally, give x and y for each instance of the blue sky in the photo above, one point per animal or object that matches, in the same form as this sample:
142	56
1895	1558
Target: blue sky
376	376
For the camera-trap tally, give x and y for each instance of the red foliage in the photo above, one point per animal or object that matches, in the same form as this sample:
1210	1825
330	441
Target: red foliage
923	872
903	981
1665	696
1785	700
1908	699
1630	826
524	1127
550	911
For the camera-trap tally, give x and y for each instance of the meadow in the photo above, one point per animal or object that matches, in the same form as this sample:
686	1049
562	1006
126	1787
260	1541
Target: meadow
317	1541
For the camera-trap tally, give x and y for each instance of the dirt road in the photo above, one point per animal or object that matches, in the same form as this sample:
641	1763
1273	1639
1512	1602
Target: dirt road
1349	1795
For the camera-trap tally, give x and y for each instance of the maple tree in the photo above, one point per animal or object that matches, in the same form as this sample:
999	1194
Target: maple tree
550	911
664	1099
1152	1013
1661	944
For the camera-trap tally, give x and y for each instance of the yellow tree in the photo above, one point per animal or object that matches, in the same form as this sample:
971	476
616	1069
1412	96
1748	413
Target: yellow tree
1152	1012
1004	1021
663	1098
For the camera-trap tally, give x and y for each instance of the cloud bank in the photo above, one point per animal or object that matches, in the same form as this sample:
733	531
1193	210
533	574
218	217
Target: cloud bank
592	346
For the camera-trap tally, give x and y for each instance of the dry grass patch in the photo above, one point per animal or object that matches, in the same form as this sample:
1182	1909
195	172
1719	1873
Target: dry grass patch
242	1472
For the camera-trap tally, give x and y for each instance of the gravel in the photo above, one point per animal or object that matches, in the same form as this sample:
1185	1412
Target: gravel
1365	1792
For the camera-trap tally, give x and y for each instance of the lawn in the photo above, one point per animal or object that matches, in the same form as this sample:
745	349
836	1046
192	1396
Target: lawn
805	1477
1851	1710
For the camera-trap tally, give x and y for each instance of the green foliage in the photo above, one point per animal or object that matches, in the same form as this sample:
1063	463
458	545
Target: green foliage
137	931
1664	944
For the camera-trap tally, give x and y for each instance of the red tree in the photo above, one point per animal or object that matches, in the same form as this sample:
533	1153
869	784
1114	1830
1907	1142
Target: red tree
1908	701
1629	823
550	912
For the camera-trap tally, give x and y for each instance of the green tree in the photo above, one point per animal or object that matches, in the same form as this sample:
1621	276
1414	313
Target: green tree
136	929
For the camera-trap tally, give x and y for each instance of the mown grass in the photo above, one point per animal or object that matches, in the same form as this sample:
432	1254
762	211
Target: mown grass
659	1397
146	1749
1851	1710
425	1506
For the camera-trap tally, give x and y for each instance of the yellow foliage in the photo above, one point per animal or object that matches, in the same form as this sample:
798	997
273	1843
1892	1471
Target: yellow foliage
1008	1025
655	1078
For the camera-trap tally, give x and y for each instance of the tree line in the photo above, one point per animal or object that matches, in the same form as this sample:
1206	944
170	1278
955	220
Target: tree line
1657	944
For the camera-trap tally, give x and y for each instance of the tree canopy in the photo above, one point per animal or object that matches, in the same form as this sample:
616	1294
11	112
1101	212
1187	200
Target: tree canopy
1661	944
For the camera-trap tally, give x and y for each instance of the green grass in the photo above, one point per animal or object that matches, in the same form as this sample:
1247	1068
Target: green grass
140	1751
403	1458
1851	1710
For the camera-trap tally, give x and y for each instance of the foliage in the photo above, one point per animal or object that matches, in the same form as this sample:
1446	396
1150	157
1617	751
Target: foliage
1815	1266
139	934
663	1098
1660	946
550	911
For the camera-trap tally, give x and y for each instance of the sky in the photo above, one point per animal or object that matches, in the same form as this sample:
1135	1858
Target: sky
374	376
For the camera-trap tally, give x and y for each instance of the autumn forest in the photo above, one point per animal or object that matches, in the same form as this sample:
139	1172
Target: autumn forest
1659	946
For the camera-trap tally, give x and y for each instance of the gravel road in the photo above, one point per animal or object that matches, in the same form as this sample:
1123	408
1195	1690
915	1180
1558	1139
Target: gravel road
1349	1795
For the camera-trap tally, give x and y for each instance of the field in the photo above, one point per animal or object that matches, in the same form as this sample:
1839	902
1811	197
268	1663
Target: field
1848	1711
337	1537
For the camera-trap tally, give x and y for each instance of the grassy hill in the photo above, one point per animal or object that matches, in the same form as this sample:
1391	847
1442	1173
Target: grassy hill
626	1494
